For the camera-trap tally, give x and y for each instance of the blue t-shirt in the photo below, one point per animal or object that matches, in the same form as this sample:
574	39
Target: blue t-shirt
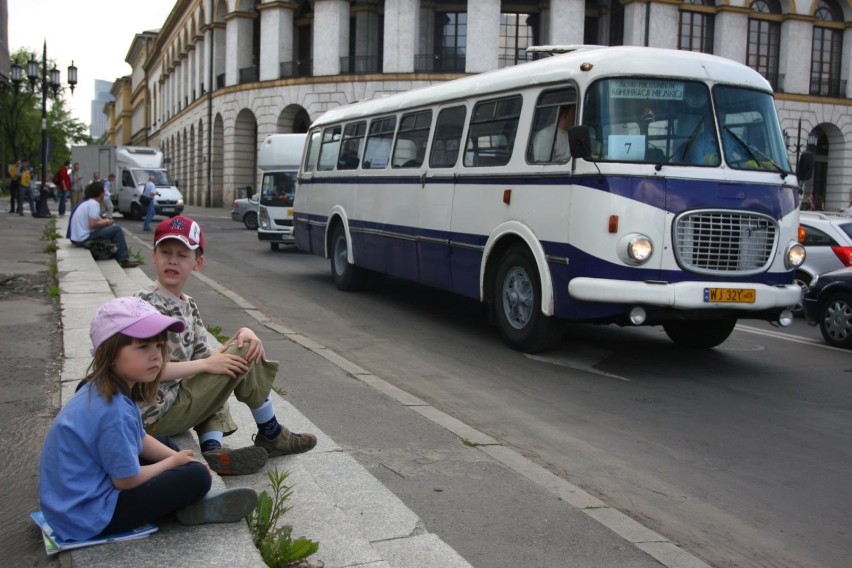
89	443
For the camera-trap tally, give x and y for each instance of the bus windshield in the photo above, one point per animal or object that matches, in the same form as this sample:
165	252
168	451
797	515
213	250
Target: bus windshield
278	189
666	121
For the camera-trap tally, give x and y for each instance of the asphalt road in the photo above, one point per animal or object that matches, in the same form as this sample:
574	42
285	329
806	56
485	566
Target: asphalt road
739	454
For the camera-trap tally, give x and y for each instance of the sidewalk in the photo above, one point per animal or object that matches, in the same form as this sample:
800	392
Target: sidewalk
336	501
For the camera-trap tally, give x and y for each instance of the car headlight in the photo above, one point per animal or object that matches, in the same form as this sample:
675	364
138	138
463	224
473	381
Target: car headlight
635	249
795	256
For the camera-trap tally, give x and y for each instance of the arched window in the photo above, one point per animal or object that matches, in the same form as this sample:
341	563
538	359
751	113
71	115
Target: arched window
826	49
764	39
696	26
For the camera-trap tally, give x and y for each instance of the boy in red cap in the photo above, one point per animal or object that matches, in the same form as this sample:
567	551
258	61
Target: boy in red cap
201	375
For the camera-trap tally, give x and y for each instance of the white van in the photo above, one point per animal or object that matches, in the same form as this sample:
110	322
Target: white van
278	160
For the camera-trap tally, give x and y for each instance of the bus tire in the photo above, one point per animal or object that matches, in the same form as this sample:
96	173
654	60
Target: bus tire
347	277
699	334
517	304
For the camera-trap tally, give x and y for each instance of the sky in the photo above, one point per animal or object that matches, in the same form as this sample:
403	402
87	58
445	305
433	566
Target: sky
95	34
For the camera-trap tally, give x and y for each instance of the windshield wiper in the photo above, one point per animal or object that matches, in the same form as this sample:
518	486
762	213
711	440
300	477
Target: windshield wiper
751	152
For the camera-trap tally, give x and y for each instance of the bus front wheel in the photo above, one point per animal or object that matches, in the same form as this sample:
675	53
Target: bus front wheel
699	334
517	303
347	277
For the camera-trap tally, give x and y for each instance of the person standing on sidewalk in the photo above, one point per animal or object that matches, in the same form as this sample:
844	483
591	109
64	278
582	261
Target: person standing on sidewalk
107	208
76	185
25	190
147	199
201	375
86	223
63	186
14	184
100	473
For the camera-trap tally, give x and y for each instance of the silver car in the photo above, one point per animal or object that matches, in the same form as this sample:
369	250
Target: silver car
828	242
244	211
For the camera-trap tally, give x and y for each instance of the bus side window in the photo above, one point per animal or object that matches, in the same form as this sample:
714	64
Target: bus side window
491	136
313	151
353	135
379	140
410	148
555	112
447	141
330	148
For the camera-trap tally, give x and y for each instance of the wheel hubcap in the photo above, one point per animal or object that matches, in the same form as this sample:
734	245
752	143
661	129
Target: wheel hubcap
838	320
340	256
518	298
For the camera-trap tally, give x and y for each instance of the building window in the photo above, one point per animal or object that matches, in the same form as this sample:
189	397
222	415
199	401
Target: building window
826	49
616	23
516	35
451	42
764	38
696	27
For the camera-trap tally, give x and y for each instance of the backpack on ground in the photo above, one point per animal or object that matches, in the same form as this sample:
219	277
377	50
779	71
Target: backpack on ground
101	249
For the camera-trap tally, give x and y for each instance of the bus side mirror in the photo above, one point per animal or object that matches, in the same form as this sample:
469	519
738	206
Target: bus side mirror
805	167
580	142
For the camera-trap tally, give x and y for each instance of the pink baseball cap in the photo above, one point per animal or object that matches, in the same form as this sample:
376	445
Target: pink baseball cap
133	317
181	228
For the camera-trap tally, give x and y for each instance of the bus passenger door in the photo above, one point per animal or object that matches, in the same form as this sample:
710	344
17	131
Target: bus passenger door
436	198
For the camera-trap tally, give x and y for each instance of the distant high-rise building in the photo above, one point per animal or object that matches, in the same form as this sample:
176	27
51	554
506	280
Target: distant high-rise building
99	119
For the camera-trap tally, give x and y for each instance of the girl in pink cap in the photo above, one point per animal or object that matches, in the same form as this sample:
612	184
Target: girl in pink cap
101	473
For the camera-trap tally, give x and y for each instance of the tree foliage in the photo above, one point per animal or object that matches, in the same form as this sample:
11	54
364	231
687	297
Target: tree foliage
20	122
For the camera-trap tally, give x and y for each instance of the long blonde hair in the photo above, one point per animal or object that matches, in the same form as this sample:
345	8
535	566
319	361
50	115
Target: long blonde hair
102	375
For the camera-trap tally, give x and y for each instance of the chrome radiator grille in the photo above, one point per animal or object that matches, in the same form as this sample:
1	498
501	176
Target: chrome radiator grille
725	242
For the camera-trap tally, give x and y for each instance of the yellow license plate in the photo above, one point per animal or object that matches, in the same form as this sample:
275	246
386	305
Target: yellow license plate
730	295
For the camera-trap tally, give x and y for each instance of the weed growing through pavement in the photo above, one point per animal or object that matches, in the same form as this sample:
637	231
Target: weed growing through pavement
50	235
137	256
216	331
276	544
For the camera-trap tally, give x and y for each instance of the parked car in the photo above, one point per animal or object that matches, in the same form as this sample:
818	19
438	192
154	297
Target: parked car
51	189
828	303
244	211
828	243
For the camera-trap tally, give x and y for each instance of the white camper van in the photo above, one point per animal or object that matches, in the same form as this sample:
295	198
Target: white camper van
132	166
278	160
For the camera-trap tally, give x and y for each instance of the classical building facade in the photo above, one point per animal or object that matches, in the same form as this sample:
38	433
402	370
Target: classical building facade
221	75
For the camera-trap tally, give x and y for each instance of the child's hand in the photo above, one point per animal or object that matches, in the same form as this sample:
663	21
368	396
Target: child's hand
256	352
182	457
220	363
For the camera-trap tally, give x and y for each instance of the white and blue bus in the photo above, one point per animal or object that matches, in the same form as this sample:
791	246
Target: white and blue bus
624	185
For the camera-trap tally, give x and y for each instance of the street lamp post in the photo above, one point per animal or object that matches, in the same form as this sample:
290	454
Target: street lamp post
45	82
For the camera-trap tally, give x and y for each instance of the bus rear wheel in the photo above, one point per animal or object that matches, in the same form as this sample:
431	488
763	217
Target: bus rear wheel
699	334
347	277
517	303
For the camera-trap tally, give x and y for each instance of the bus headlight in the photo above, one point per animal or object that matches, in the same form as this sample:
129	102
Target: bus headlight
635	249
263	219
795	255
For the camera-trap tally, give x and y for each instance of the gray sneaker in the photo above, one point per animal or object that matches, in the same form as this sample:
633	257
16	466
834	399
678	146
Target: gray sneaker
286	443
240	461
225	506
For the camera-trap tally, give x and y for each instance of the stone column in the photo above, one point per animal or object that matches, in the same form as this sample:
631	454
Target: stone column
731	39
330	35
276	37
239	34
483	35
402	24
565	23
795	57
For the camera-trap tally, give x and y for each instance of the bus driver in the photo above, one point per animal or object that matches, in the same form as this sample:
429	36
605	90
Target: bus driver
551	142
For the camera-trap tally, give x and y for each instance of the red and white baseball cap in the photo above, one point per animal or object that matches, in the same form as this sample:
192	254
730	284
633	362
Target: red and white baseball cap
181	228
131	316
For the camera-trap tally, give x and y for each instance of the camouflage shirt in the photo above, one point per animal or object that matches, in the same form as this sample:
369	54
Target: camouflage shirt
192	343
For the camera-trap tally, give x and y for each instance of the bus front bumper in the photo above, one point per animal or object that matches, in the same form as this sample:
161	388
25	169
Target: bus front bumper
746	296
